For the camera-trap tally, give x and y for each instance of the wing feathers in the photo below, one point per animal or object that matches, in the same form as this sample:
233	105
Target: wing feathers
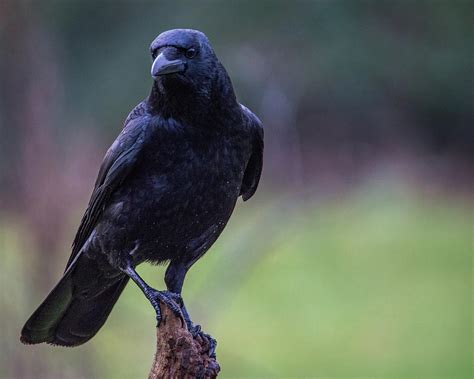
118	162
254	167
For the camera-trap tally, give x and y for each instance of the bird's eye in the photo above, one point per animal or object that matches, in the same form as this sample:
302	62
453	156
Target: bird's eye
190	53
154	54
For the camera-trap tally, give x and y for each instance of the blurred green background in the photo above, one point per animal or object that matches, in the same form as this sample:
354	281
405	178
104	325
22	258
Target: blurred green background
354	258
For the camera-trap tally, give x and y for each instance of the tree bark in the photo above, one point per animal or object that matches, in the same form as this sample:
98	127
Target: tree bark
178	353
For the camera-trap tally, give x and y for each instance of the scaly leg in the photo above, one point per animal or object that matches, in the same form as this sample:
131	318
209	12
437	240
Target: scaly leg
174	279
172	300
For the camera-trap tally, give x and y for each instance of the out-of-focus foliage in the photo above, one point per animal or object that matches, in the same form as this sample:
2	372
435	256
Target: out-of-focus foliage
354	257
377	285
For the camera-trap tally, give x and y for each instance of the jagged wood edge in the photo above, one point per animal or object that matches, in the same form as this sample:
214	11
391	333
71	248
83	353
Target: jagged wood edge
178	354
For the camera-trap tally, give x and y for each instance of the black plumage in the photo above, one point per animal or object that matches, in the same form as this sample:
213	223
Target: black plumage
164	193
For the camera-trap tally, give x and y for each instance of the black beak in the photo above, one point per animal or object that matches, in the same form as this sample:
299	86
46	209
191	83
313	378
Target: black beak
163	66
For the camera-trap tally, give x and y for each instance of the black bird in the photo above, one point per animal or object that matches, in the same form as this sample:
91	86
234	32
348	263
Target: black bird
164	192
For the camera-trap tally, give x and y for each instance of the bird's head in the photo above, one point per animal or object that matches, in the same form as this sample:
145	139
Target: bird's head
182	57
187	74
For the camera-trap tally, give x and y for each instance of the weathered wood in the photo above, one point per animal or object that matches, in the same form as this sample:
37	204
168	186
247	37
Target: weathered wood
178	354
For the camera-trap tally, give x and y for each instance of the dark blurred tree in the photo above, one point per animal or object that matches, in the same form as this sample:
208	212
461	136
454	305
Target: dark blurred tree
340	86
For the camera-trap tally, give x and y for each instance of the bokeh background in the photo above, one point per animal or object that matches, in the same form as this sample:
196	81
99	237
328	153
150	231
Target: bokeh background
354	258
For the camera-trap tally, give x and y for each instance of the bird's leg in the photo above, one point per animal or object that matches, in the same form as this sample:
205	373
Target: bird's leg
174	279
154	296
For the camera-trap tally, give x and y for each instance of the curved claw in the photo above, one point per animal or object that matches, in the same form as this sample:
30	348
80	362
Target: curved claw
194	329
212	342
170	299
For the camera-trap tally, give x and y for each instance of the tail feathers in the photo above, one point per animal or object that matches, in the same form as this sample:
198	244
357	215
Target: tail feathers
76	308
41	325
84	317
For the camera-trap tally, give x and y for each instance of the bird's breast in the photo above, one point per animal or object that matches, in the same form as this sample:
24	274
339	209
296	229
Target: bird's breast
176	195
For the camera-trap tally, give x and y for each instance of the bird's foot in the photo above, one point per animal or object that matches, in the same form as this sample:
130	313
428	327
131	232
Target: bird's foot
172	300
211	342
197	333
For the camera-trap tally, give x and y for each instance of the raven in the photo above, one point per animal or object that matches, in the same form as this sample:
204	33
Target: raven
165	191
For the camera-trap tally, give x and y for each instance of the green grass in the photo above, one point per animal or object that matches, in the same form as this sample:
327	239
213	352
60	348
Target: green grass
376	285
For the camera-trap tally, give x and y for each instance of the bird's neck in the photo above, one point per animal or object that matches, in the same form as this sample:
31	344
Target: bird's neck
193	106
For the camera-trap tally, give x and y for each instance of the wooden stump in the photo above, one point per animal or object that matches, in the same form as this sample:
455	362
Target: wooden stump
178	354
